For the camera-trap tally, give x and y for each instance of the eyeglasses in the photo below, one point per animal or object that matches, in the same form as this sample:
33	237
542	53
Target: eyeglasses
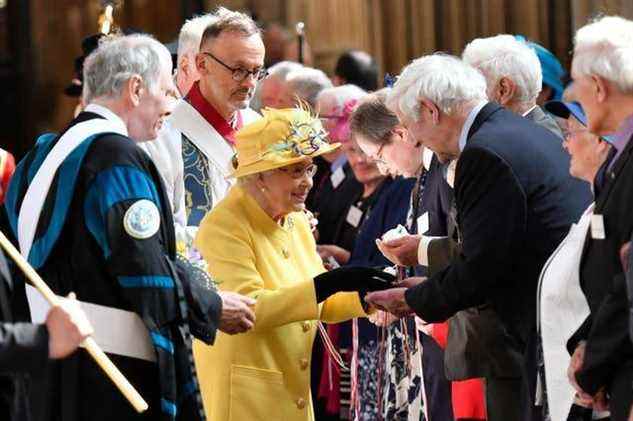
567	134
300	172
238	74
378	159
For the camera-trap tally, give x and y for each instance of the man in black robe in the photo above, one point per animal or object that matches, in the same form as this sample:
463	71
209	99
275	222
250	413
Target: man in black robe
103	228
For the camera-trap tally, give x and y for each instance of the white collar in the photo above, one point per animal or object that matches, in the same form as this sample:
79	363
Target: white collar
450	173
108	114
528	111
463	137
427	157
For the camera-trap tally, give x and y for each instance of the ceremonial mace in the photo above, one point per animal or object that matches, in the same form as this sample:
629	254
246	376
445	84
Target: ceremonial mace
97	354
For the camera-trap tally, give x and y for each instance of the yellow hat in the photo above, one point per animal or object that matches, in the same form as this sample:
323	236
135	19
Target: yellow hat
278	139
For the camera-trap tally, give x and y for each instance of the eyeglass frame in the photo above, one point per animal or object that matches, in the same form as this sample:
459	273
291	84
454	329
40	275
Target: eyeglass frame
258	74
567	134
378	159
310	171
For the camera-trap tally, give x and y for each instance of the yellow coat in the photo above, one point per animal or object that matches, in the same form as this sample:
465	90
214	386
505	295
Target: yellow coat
264	374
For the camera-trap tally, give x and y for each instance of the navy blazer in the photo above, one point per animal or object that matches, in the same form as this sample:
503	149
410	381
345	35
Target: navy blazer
389	211
515	202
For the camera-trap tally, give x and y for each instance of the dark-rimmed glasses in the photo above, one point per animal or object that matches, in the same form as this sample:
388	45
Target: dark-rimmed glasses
237	73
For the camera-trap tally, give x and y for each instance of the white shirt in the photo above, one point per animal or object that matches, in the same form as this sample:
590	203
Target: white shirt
108	114
166	152
425	241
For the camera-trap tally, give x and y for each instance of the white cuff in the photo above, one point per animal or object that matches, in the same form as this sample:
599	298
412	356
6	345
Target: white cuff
423	249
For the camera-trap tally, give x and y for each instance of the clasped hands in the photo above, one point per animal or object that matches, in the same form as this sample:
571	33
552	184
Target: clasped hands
393	300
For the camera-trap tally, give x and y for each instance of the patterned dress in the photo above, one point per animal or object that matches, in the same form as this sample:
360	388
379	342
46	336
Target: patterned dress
403	394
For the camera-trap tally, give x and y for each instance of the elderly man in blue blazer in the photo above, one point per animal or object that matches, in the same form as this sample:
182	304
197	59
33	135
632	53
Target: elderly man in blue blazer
514	197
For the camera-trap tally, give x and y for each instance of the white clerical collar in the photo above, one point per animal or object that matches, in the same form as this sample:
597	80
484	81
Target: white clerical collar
463	137
108	114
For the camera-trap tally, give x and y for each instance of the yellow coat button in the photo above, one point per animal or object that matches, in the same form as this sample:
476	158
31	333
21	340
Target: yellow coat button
303	363
306	326
301	403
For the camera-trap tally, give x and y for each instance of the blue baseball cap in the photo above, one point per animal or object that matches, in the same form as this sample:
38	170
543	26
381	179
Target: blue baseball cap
565	109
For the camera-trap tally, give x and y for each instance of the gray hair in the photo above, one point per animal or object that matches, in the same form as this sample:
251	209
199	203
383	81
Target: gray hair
226	20
191	34
282	69
605	48
340	95
442	79
505	56
373	120
117	59
306	84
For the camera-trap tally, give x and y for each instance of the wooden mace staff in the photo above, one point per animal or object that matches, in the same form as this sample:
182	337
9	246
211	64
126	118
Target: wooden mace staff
115	375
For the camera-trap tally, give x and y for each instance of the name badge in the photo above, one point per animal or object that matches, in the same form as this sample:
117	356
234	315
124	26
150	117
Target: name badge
597	227
337	177
423	223
354	216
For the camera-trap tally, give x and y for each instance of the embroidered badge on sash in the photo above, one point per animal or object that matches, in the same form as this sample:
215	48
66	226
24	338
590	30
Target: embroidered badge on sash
142	219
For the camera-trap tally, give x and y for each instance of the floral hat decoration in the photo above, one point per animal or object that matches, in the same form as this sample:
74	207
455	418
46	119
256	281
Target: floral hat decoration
279	138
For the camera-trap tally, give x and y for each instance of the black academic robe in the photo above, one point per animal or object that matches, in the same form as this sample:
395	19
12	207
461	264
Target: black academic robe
111	259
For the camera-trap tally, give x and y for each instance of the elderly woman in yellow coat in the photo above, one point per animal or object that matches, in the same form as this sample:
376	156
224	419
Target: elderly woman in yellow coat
258	242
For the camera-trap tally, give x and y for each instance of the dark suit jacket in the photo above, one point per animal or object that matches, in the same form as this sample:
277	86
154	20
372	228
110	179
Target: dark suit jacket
477	345
23	351
515	201
331	203
602	281
442	250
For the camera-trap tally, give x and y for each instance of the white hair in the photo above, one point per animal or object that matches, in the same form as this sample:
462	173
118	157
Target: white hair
605	48
306	83
117	59
191	34
505	56
340	95
278	72
443	79
281	70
